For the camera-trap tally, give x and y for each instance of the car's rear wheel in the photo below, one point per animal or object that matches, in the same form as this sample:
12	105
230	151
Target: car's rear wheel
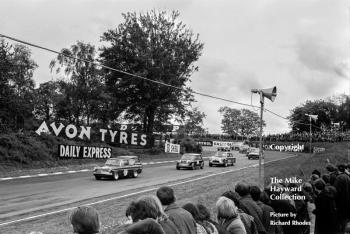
210	165
97	177
193	167
135	174
115	176
225	165
202	165
177	168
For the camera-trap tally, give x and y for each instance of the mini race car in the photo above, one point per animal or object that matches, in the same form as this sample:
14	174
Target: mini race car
253	153
222	159
122	166
190	161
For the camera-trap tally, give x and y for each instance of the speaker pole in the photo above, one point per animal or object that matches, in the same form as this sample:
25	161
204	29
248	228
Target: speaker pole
260	137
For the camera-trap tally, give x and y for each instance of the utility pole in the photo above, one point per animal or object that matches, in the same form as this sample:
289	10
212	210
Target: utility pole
311	117
270	94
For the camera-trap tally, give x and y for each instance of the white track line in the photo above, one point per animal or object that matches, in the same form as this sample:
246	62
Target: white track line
69	172
131	194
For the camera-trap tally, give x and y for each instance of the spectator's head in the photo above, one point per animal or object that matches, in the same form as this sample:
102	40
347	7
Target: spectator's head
307	187
331	168
141	210
326	178
204	213
226	208
153	201
314	177
233	196
316	172
255	192
166	195
85	220
265	198
341	167
319	184
242	189
193	210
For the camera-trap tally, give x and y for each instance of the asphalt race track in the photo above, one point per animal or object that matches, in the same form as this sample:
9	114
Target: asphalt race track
21	197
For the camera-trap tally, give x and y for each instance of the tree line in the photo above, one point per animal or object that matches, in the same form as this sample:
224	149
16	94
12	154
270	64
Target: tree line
155	45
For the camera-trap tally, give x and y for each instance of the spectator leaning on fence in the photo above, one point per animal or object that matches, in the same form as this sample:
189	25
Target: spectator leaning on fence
85	220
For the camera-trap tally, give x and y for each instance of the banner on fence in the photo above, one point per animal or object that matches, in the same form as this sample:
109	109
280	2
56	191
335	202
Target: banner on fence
205	143
172	148
318	149
285	148
78	151
71	131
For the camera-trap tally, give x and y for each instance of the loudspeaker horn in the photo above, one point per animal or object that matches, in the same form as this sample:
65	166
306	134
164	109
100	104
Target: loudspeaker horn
270	93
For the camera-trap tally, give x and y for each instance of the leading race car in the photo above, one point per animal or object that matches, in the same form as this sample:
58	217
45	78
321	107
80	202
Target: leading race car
222	159
122	166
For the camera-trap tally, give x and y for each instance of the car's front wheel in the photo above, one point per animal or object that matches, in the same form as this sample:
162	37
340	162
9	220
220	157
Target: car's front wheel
202	165
135	174
115	176
210	165
193	167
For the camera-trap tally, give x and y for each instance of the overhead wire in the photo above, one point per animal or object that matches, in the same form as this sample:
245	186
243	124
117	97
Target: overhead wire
144	78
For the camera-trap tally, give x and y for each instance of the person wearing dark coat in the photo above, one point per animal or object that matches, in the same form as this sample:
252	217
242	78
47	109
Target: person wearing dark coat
283	206
256	195
247	204
182	219
326	211
342	186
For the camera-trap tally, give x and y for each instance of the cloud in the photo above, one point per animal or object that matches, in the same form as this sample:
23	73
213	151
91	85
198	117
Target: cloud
220	78
319	56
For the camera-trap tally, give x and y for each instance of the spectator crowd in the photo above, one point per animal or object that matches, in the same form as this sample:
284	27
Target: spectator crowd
321	136
246	210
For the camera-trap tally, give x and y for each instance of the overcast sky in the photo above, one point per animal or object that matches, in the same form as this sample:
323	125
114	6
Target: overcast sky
300	46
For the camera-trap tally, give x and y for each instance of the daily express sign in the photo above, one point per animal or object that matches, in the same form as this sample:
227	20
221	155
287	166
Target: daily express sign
75	151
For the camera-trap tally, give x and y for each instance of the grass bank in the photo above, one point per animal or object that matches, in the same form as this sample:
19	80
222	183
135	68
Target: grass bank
304	164
28	153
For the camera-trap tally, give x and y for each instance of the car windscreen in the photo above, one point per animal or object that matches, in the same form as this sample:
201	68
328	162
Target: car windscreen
220	154
188	157
114	162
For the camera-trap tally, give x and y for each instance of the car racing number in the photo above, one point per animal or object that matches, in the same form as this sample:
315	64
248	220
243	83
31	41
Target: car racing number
125	172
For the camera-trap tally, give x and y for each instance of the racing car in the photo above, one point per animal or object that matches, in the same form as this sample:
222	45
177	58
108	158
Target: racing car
122	166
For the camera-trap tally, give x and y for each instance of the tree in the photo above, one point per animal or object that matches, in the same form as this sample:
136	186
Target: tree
158	46
16	86
239	122
193	123
46	99
326	111
83	90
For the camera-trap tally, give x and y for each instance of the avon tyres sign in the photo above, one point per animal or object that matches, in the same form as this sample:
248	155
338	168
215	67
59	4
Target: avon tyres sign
75	151
71	131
